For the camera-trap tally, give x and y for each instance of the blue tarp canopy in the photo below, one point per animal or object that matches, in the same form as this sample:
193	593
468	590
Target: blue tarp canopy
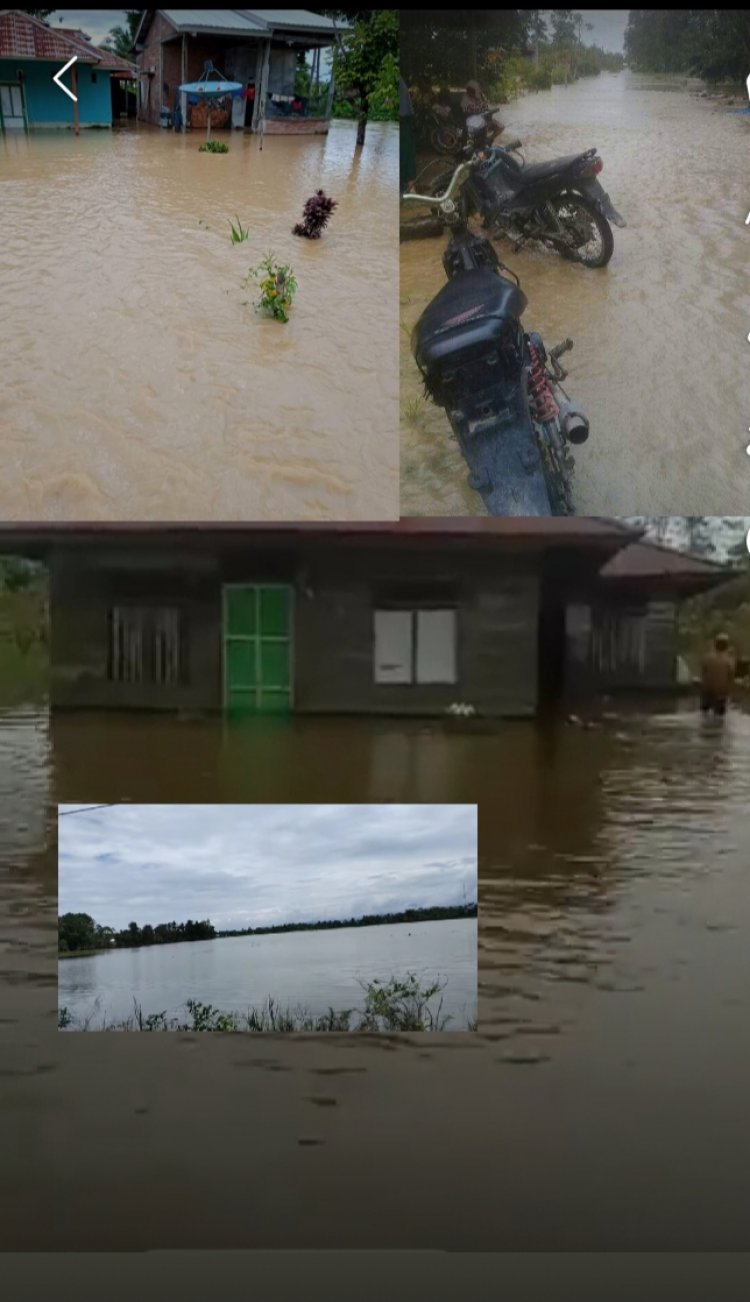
210	88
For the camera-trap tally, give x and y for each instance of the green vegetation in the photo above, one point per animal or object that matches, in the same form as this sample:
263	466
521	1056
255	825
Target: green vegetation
277	287
24	652
79	934
709	43
508	51
365	66
434	914
395	1005
121	39
213	147
240	233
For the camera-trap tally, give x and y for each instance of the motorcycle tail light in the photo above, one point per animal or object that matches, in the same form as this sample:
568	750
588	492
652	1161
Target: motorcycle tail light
594	167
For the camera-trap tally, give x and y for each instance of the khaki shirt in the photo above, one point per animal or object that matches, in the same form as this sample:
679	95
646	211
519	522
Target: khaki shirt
718	672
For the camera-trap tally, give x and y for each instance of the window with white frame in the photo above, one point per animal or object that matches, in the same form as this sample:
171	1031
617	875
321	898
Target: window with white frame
415	646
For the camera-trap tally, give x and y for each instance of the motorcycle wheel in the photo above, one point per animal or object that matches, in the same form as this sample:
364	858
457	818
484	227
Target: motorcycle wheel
578	215
446	140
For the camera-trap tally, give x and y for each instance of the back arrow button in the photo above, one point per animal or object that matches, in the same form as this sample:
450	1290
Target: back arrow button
59	74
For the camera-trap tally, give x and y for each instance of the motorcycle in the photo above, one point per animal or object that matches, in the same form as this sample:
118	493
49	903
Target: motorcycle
560	203
500	388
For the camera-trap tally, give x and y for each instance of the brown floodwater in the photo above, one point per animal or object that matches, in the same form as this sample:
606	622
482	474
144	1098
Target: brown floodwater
138	382
601	1105
659	362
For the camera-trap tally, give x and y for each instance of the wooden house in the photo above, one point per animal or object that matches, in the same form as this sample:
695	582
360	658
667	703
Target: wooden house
505	615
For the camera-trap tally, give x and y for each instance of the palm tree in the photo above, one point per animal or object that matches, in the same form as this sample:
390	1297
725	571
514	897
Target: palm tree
120	39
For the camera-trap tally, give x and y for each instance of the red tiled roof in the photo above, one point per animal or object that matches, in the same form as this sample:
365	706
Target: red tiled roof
108	60
24	37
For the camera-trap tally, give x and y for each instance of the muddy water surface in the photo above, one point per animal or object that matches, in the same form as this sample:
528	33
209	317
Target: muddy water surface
659	362
602	1105
137	380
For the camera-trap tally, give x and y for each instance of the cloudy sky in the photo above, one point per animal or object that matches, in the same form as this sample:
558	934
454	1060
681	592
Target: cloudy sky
253	865
95	22
608	27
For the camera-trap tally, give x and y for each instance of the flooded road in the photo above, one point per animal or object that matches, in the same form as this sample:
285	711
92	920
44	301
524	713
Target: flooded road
660	349
602	1104
138	381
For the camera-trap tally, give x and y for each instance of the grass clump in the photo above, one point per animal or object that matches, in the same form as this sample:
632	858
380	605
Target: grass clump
400	1004
240	233
277	286
213	147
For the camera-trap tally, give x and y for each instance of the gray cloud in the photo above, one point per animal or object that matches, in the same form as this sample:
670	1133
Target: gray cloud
258	865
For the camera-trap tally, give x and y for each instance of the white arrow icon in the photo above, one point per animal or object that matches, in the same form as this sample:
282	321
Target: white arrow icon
59	74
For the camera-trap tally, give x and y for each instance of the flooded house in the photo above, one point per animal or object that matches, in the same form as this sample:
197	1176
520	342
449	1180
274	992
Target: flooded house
262	49
409	618
31	53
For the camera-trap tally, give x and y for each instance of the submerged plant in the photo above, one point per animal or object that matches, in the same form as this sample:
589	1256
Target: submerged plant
240	233
315	216
277	287
213	147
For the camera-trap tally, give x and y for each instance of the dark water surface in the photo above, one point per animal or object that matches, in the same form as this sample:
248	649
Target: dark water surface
603	1103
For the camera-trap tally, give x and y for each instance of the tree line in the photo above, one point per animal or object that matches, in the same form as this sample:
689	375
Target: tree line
709	43
507	50
434	914
79	931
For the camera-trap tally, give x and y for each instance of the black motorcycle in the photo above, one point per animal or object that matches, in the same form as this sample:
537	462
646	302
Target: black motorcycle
499	386
561	203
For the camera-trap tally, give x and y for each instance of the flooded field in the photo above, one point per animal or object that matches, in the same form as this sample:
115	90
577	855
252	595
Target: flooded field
138	381
602	1103
311	970
659	357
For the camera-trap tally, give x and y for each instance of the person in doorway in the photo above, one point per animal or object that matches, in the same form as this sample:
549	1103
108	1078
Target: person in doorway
717	676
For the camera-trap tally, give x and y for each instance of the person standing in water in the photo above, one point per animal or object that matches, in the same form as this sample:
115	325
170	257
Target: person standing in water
717	677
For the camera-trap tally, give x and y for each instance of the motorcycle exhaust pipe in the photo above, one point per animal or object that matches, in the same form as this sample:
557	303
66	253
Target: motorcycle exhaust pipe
574	422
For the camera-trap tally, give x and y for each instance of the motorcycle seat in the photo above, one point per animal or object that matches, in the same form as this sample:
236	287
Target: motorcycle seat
545	171
470	295
468	315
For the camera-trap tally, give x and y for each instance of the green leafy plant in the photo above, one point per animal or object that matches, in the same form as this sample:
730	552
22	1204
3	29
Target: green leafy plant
240	233
213	147
395	1005
277	286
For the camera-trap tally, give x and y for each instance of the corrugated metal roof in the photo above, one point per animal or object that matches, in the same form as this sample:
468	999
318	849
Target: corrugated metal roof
251	22
225	20
24	37
300	18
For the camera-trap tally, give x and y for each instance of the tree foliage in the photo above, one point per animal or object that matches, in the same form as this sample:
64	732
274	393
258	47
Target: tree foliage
366	62
79	931
120	39
709	43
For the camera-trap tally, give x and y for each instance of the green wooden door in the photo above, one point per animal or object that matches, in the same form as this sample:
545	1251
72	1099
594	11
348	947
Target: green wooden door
258	648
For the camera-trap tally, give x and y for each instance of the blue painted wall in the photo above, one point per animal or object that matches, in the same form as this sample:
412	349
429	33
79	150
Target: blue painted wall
48	106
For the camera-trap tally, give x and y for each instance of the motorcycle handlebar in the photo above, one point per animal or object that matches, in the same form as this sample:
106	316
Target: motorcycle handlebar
455	182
